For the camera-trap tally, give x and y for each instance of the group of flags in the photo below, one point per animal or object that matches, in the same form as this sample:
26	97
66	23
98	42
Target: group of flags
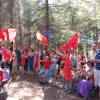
9	35
72	43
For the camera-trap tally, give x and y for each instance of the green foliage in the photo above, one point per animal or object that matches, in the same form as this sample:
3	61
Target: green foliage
65	18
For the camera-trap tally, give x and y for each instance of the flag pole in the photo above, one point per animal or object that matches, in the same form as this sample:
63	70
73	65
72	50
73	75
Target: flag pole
51	48
12	45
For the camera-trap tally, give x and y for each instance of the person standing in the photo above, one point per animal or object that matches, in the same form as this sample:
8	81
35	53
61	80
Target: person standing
14	65
81	57
18	53
97	67
31	61
93	52
11	58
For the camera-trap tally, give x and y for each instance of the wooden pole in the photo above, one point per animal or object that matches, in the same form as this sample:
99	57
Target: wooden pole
19	20
11	20
12	45
47	17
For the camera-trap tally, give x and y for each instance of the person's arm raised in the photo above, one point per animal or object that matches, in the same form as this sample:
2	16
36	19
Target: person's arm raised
58	52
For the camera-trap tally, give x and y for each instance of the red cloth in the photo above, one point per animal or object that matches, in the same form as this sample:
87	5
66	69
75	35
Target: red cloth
25	48
81	57
48	54
5	53
67	69
23	60
46	64
8	35
36	61
64	47
73	43
41	38
63	58
1	77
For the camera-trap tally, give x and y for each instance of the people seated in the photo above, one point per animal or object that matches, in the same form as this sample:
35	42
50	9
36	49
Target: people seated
45	69
85	85
77	77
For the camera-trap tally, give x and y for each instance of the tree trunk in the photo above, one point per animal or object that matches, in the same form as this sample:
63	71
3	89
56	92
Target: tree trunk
47	15
20	34
11	19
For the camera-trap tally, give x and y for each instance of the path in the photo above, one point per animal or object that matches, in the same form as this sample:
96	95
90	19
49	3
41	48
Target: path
24	88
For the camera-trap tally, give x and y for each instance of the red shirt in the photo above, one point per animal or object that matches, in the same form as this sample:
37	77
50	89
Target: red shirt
81	57
1	77
48	54
46	64
63	58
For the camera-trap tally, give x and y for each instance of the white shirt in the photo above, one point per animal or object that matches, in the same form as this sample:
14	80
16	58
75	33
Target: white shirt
54	58
92	55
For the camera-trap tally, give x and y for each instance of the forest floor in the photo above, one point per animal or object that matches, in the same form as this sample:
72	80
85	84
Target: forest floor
26	87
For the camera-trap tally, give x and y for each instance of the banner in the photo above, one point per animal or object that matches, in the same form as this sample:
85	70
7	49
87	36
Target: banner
8	35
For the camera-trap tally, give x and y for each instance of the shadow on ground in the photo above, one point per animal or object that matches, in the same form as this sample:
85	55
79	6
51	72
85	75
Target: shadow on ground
26	87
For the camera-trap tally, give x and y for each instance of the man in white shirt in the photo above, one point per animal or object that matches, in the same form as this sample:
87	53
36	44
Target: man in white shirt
93	52
97	67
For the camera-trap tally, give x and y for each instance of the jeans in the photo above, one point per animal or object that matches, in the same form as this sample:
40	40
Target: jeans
26	66
30	65
45	72
18	63
75	80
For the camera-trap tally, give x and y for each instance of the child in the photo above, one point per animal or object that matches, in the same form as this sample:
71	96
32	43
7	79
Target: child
31	61
61	76
24	61
14	65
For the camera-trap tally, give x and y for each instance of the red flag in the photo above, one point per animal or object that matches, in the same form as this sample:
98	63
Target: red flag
41	38
36	61
63	47
67	69
3	35
72	43
12	34
23	61
5	53
1	77
8	35
25	48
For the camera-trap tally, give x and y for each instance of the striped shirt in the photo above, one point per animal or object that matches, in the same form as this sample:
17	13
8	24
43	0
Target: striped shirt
97	66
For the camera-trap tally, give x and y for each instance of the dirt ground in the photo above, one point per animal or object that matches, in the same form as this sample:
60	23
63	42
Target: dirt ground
26	87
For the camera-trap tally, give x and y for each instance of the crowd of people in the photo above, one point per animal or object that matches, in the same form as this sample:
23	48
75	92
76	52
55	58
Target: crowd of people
85	69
